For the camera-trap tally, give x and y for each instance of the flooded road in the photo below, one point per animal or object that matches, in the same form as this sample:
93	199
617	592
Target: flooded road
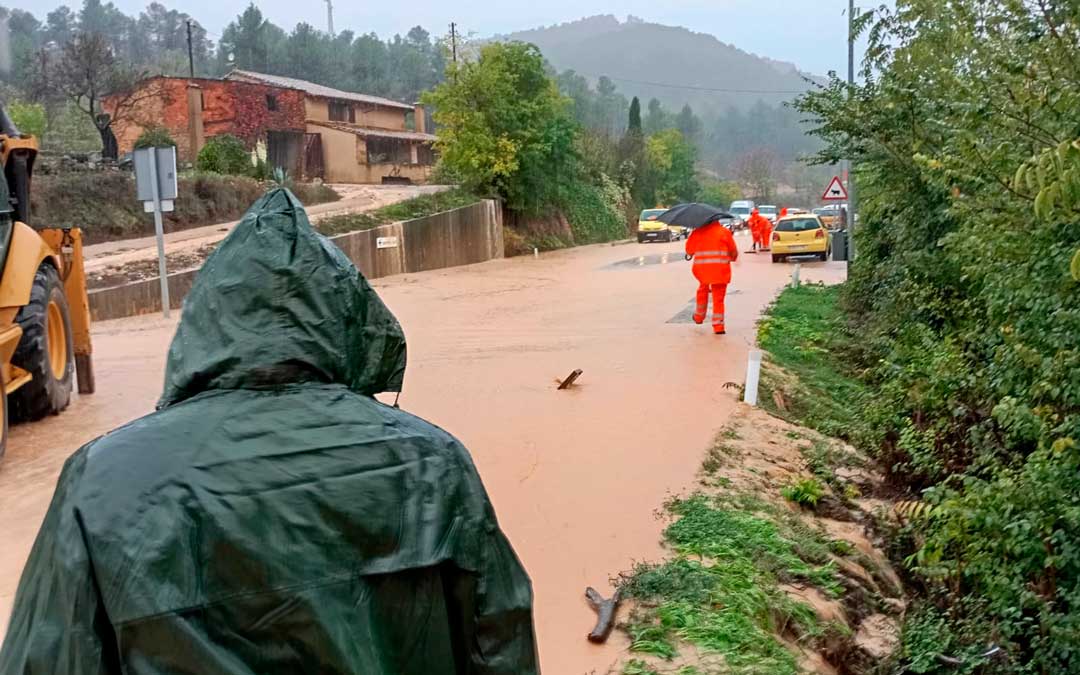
575	475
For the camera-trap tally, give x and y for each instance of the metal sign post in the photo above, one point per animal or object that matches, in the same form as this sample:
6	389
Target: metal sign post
155	186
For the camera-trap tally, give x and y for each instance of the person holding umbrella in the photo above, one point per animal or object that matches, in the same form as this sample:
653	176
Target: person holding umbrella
712	248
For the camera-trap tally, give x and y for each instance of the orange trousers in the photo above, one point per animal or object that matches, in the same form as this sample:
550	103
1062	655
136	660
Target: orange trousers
719	291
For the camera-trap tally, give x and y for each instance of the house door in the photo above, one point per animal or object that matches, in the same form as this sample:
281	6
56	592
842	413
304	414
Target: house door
313	159
283	151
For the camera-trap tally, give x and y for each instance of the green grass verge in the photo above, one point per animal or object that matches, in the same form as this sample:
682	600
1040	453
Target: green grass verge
417	207
721	591
803	332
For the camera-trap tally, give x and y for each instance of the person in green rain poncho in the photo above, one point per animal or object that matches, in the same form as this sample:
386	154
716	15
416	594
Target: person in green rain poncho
272	516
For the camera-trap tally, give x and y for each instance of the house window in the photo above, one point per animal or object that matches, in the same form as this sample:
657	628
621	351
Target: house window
388	151
271	102
341	112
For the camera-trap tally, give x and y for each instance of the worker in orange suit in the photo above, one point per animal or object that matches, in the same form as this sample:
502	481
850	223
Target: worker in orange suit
712	249
766	230
756	222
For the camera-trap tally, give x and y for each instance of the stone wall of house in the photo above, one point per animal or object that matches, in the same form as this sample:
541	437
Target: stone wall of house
243	109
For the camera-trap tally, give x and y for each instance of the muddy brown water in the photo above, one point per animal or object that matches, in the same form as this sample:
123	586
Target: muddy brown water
575	475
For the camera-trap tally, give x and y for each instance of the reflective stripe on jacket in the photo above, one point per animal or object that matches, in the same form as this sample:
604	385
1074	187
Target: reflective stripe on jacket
713	248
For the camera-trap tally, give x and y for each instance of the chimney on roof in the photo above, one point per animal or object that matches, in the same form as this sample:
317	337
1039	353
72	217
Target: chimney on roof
196	135
419	118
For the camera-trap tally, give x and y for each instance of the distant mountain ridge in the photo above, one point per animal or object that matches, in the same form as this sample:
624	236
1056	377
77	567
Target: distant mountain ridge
641	57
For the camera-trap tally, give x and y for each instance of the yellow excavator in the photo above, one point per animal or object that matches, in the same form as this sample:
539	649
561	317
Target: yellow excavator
44	310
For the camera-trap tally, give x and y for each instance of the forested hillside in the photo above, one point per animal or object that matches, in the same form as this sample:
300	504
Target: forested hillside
739	100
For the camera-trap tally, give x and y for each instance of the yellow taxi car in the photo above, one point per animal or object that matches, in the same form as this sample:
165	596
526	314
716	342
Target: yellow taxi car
800	234
651	229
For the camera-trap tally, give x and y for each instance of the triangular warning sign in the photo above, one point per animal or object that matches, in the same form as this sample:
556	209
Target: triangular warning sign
836	192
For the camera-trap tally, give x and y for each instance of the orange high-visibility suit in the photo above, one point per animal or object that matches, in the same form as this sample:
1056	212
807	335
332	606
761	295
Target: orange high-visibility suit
766	234
713	249
758	225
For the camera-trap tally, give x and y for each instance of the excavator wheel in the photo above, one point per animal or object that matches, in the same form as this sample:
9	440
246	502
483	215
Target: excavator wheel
45	351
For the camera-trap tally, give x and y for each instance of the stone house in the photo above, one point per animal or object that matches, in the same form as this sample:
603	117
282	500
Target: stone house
194	109
357	138
309	130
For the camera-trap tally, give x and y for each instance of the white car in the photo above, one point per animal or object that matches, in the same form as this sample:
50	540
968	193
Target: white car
741	209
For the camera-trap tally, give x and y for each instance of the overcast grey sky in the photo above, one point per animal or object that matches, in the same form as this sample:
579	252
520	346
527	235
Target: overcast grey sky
809	33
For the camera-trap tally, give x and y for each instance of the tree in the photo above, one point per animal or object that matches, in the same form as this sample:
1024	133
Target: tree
610	107
689	124
720	193
504	128
162	41
252	42
20	36
758	170
657	119
634	123
369	64
633	169
86	72
671	163
110	25
582	98
60	25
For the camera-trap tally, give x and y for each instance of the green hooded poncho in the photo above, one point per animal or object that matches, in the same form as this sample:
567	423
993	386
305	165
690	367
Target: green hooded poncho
272	516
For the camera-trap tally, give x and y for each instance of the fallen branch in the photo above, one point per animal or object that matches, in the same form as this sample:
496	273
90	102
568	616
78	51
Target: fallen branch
569	381
605	614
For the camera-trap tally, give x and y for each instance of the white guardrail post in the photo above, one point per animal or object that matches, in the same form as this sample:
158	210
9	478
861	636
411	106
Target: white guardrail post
753	376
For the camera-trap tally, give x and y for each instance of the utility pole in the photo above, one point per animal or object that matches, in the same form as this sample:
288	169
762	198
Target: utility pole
850	166
190	53
330	17
453	41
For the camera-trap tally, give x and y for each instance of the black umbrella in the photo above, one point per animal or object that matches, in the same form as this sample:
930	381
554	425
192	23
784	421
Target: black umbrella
692	216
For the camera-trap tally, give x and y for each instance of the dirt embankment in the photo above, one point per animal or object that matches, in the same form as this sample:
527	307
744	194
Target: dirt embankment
103	203
777	562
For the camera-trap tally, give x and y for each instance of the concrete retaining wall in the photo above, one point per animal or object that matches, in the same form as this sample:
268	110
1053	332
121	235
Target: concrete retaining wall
462	236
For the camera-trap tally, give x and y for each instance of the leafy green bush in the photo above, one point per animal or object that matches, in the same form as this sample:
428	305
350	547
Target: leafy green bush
155	137
806	492
226	155
28	117
595	213
964	314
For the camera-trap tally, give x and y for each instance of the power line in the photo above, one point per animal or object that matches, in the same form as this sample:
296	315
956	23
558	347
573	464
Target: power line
692	87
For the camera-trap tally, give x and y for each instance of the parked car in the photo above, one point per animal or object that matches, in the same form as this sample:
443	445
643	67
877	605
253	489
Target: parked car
651	229
802	234
770	211
830	215
732	223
